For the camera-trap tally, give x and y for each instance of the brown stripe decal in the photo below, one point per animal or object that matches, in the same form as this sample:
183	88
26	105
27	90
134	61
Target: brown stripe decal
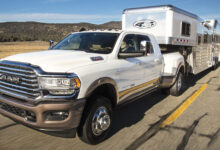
138	87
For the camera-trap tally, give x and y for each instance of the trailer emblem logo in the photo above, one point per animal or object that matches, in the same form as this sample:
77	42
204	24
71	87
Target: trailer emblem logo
144	24
9	78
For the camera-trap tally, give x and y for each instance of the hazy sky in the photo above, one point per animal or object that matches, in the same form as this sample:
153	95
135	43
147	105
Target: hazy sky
93	11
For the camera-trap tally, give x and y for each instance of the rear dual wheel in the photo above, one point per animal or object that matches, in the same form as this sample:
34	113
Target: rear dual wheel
216	65
177	88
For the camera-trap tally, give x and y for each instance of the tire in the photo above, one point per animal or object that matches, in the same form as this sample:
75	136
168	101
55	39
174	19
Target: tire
214	67
97	120
216	64
177	88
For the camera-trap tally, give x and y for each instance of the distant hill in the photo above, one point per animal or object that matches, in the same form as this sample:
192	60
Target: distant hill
32	31
112	25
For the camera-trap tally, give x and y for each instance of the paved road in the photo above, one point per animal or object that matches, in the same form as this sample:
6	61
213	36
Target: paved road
136	125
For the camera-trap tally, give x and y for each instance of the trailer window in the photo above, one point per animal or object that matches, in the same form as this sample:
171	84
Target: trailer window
185	29
199	39
207	38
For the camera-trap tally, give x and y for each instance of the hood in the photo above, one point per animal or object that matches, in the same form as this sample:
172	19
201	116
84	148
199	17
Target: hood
58	60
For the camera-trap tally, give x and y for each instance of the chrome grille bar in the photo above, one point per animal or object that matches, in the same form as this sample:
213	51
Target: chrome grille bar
18	91
27	88
18	87
29	80
10	64
18	74
32	85
16	70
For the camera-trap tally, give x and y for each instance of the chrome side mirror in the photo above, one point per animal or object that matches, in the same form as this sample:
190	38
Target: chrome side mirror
51	44
143	46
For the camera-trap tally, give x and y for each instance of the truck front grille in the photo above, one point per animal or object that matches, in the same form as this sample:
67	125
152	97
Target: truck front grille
18	80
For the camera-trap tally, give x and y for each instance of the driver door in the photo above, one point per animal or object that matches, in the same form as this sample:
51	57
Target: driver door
131	70
137	74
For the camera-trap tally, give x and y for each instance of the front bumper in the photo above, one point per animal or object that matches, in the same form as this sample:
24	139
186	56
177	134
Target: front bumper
18	111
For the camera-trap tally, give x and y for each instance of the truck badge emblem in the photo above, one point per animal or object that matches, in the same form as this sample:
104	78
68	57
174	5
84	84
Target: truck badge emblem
9	78
97	58
145	24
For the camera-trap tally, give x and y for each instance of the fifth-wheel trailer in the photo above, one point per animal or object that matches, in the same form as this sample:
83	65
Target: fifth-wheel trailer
178	30
76	85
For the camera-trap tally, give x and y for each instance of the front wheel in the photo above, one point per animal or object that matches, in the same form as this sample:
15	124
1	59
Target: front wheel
96	121
177	88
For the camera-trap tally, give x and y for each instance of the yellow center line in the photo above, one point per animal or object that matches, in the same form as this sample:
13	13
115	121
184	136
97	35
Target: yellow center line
183	107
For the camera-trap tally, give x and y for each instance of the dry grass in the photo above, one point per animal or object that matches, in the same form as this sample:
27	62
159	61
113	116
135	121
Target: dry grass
11	48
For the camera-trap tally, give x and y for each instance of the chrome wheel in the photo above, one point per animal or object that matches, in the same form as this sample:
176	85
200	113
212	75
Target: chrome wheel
100	121
177	88
179	82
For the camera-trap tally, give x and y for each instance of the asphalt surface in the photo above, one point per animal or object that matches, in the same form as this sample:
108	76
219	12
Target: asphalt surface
137	124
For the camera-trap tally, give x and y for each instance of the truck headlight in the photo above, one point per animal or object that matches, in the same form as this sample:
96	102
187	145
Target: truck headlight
59	86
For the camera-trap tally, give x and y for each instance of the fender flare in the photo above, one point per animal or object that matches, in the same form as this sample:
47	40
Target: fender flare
178	70
167	82
179	67
102	81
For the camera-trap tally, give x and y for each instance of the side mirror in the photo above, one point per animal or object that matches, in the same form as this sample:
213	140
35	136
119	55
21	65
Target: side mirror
130	55
212	23
143	46
51	44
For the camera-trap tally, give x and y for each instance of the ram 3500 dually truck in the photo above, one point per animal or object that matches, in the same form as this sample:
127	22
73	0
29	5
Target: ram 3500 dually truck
78	82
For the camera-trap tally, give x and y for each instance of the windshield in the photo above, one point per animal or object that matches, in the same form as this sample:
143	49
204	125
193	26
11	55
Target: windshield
89	42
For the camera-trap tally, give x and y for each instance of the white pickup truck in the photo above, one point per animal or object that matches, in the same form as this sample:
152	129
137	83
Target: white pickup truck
78	82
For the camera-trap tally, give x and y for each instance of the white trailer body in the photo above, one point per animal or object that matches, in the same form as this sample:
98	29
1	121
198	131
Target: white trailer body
164	22
177	30
206	52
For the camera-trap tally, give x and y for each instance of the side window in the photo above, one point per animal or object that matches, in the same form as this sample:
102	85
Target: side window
136	43
186	29
128	45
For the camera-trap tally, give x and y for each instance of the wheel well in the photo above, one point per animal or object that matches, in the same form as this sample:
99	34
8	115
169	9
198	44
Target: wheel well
182	69
106	90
